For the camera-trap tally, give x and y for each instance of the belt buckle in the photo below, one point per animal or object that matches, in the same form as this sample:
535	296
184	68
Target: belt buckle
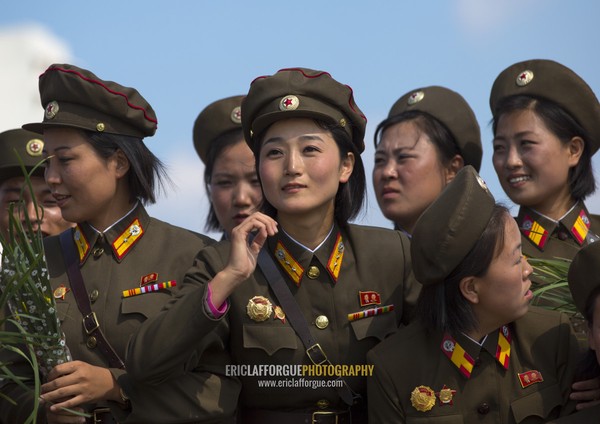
316	348
326	413
91	315
96	412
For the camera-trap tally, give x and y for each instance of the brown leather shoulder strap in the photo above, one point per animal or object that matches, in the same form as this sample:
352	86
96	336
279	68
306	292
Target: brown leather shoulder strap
90	321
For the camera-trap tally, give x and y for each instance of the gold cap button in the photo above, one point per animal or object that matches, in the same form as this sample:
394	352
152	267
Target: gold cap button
98	251
322	403
94	295
313	272
100	127
91	342
322	322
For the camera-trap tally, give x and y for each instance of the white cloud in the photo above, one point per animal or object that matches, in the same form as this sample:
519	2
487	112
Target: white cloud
27	51
479	17
186	203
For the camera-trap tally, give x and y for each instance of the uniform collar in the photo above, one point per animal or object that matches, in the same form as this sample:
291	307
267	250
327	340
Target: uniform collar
537	228
295	259
462	351
121	236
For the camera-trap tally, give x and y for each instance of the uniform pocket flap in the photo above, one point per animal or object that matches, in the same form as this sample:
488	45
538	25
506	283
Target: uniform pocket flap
539	404
148	304
269	339
378	326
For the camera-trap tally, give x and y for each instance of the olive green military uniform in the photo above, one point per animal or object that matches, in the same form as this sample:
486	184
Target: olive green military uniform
136	251
542	349
156	252
519	373
586	264
548	239
555	83
324	299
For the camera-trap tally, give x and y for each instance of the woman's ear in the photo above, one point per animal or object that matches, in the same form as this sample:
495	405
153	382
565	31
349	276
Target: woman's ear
469	290
122	164
455	165
346	167
576	147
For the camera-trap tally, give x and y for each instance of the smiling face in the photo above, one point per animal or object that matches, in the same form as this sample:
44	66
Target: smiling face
234	187
86	186
49	220
408	175
301	169
532	164
503	293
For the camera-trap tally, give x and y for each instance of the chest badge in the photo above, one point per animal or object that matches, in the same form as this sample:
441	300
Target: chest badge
259	308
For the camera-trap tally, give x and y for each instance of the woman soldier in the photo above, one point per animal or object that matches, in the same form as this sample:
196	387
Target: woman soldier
101	173
429	134
324	292
546	123
474	352
585	288
230	176
28	148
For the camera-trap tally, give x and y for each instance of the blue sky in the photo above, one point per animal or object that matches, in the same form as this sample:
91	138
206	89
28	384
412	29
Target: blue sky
182	55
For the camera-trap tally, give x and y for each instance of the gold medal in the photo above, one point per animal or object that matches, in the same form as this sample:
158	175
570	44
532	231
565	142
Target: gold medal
422	398
446	395
279	314
60	292
259	308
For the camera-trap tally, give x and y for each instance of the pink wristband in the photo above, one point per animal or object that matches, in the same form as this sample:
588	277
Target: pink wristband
216	312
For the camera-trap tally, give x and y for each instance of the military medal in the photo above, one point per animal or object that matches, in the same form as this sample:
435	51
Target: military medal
422	398
148	279
60	292
446	395
530	377
149	288
279	314
369	298
259	308
370	312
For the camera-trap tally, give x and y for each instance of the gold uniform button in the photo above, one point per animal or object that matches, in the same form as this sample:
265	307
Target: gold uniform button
323	404
322	322
313	272
91	342
98	251
94	295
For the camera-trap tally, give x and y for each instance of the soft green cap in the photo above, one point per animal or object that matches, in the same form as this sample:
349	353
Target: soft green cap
584	274
76	98
28	145
301	93
216	119
554	82
453	111
449	228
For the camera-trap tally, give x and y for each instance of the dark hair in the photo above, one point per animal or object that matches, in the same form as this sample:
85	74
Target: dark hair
442	307
589	367
564	127
216	146
350	196
147	173
438	133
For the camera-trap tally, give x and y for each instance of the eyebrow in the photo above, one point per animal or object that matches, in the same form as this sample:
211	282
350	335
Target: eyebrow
517	135
305	137
59	148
